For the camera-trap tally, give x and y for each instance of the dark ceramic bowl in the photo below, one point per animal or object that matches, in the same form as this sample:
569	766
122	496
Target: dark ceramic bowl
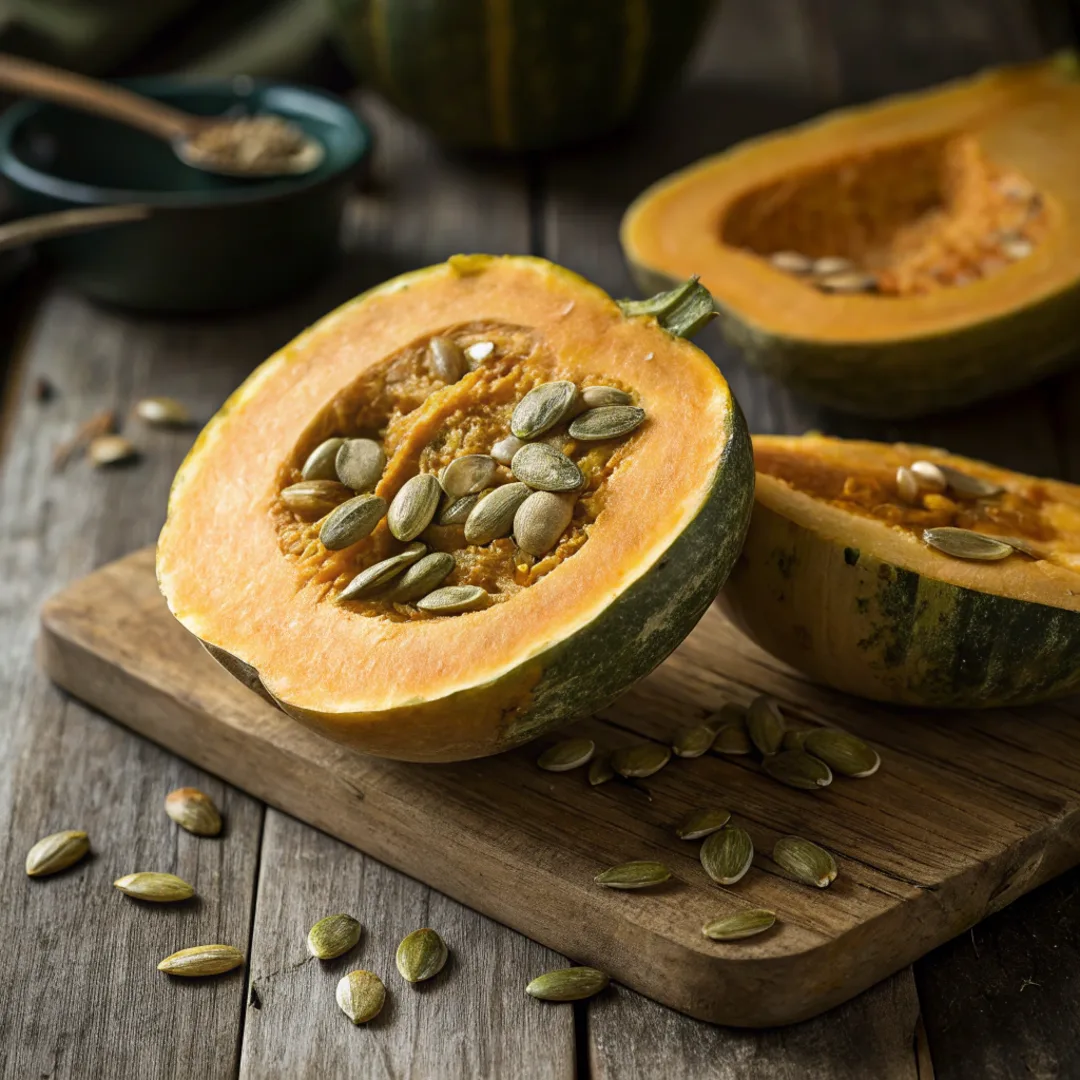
212	242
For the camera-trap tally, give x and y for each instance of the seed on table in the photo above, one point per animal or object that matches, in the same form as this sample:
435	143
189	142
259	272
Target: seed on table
493	516
568	984
333	936
792	262
505	449
359	464
733	740
765	724
692	742
56	852
542	408
447	359
727	855
634	875
468	475
546	469
607	422
105	450
360	996
644	759
805	861
700	823
422	578
414	506
793	740
741	924
455	600
600	770
566	755
369	581
457	511
422	955
157	888
596	397
351	522
202	960
797	769
163	412
194	811
315	498
843	753
541	520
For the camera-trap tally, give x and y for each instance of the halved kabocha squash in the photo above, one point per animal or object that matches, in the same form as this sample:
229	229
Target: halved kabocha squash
470	505
910	575
896	258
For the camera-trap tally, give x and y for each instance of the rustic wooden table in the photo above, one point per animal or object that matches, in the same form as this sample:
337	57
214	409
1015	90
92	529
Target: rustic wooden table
78	995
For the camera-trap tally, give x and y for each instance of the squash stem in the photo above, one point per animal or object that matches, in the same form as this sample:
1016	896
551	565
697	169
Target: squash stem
683	311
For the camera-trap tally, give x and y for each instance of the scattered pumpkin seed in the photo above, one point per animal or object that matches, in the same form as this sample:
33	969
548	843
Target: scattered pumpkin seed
728	713
642	759
634	875
414	506
447	359
726	855
794	740
315	498
468	474
157	888
798	769
1023	546
596	397
849	282
493	516
422	955
566	755
741	924
422	578
360	996
369	581
907	485
832	264
929	476
350	522
967	486
202	960
333	936
479	352
843	753
455	600
805	861
692	742
568	984
965	544
163	412
546	469
505	449
359	464
607	422
600	770
765	724
457	511
541	519
542	408
194	811
733	740
105	450
700	823
319	464
56	852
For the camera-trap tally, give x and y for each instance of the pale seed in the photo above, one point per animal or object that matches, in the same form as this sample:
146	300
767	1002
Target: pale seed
468	475
726	855
930	477
541	519
742	924
455	600
607	422
202	960
600	770
804	861
333	936
972	487
794	740
194	811
505	449
360	996
359	464
596	397
479	352
792	262
700	823
965	544
567	755
1017	249
447	359
163	412
546	469
634	875
569	984
457	511
422	577
105	450
849	282
369	581
158	888
765	724
843	753
319	464
798	769
692	742
542	408
493	516
644	759
422	955
350	522
56	852
832	264
315	498
414	506
733	740
907	485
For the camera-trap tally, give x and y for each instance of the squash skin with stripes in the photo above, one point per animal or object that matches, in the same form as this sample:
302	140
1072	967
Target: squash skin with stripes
518	74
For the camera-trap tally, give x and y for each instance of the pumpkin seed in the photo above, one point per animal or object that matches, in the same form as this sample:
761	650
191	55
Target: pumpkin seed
634	875
792	262
505	449
600	770
794	740
798	769
546	469
457	511
929	476
965	544
194	811
1023	546
608	422
360	464
447	359
568	984
1016	187
847	283
907	484
726	855
567	755
157	888
843	753
765	724
455	600
644	759
202	960
966	486
468	474
163	412
699	823
333	936
741	924
414	506
493	516
351	522
320	462
1017	249
832	264
360	996
728	713
314	498
540	520
421	578
56	852
479	352
692	742
421	955
105	450
733	740
596	397
804	861
542	408
369	581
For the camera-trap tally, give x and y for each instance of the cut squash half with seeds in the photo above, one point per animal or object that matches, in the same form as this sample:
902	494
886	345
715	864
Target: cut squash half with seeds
896	258
381	646
880	590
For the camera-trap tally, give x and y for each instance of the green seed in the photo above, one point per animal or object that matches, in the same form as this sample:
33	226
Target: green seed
541	520
607	422
359	464
566	755
733	740
202	960
634	875
542	408
369	581
493	516
600	770
447	359
644	759
158	888
692	742
194	811
765	724
351	522
57	852
805	861
727	855
422	955
421	578
457	511
965	544
314	498
596	397
742	924
360	996
546	469
798	769
414	506
700	823
455	600
793	740
333	936
468	475
569	984
843	753
320	462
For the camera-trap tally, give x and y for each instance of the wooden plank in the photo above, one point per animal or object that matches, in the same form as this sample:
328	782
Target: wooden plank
472	1020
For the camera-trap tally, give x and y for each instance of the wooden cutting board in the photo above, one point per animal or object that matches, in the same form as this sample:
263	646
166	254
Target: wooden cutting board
968	811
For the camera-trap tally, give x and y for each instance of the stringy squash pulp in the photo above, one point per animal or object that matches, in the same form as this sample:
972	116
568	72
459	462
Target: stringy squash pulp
655	528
